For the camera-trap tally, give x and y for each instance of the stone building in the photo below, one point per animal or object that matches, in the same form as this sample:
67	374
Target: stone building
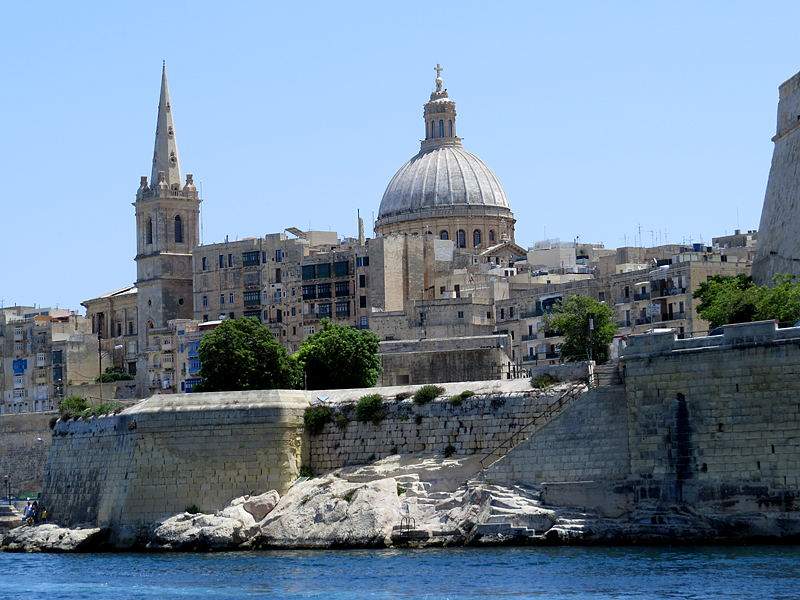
42	350
115	318
444	190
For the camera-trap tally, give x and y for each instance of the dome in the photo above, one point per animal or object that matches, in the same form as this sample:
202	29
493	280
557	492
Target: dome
441	178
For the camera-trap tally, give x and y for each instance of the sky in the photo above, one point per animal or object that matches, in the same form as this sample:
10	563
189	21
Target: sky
621	123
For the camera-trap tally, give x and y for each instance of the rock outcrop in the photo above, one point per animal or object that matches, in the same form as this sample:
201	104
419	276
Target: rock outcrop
52	538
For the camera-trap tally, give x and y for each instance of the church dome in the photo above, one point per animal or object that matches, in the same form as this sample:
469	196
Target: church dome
445	190
442	177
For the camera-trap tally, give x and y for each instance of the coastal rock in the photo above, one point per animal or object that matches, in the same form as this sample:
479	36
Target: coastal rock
333	513
260	506
197	532
52	538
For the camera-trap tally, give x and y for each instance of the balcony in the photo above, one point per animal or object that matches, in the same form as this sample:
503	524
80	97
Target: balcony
644	321
622	300
642	296
624	323
530	314
528	338
252	302
675	316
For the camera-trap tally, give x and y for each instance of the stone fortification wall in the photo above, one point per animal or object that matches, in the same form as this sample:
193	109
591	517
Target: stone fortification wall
716	409
479	425
24	448
712	419
170	452
587	441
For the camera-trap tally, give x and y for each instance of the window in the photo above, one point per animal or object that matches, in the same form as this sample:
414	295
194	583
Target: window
132	347
278	255
309	272
323	271
205	268
491	235
309	292
461	238
230	260
222	299
178	230
57	357
451	127
149	233
277	275
221	261
502	313
341	268
294	313
324	290
441	128
230	315
443	235
601	296
362	261
230	298
58	373
130	327
362	302
461	314
205	318
264	256
251	279
476	238
343	308
364	323
41	359
324	310
119	329
251	298
433	129
252	314
205	303
342	288
362	281
250	259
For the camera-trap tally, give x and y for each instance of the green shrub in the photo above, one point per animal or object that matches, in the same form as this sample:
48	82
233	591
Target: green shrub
342	421
456	400
349	494
466	394
542	381
402	416
370	408
316	417
427	393
393	450
192	510
72	406
449	450
306	471
304	500
400	489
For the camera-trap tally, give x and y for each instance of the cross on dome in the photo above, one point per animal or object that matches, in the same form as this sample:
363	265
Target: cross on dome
438	70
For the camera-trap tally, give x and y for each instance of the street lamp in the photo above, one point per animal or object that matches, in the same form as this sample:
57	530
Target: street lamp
7	479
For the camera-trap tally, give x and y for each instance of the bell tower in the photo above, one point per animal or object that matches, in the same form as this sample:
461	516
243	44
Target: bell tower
167	229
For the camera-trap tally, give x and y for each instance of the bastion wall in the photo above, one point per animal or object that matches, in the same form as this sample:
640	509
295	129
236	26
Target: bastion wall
24	447
712	419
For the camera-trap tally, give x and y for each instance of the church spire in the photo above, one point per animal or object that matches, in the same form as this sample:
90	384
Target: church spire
165	154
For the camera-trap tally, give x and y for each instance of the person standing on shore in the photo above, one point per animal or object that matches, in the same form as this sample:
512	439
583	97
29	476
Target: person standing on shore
44	515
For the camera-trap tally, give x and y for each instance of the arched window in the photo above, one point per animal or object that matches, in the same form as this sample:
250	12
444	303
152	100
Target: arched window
476	238
178	230
441	128
451	127
433	129
443	235
461	238
491	235
149	233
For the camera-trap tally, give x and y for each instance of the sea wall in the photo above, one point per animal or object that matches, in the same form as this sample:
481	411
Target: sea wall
24	448
478	425
709	420
171	452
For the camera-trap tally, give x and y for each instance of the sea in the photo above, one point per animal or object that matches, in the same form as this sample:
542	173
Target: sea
715	572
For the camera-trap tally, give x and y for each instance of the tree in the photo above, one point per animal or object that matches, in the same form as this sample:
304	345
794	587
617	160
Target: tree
781	302
727	299
242	354
339	357
114	373
571	319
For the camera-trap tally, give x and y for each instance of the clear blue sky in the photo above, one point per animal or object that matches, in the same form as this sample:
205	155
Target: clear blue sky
598	118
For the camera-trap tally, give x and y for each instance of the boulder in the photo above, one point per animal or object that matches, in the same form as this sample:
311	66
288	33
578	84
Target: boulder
198	531
260	506
333	513
48	537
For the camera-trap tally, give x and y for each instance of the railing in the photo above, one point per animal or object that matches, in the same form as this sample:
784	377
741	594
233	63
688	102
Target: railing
529	314
644	321
622	300
675	316
567	398
624	323
640	297
528	338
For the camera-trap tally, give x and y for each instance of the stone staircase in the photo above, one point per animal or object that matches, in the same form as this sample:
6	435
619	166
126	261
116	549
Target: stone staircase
607	375
515	512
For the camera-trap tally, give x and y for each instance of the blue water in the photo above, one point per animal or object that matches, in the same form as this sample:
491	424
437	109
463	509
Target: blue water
761	572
